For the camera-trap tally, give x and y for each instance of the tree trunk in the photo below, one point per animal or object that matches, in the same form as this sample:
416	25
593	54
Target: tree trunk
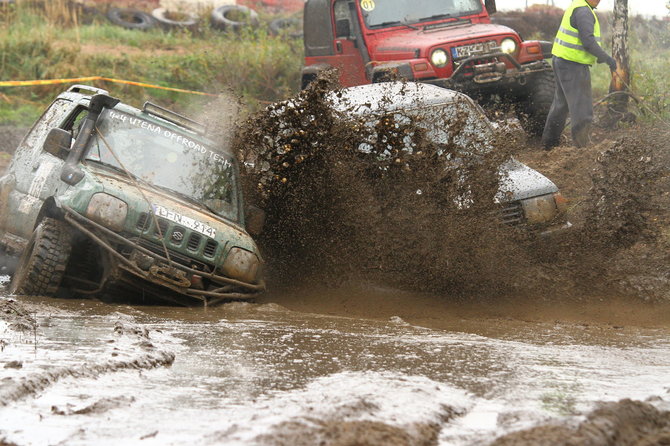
621	77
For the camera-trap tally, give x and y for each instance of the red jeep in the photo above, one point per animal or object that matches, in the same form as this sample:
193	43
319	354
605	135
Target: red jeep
450	43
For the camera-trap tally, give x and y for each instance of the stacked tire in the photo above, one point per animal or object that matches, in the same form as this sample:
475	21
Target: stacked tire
233	18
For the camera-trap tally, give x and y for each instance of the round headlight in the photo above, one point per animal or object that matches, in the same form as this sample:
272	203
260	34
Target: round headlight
242	265
439	58
107	210
508	46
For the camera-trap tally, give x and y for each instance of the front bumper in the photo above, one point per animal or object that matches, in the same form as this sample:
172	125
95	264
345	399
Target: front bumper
162	271
489	69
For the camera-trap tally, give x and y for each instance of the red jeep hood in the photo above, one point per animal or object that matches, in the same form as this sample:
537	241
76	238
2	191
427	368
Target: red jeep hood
409	40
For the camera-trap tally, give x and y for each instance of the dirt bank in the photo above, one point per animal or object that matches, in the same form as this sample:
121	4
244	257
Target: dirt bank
623	423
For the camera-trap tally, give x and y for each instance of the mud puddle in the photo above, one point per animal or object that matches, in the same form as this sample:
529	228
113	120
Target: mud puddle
262	374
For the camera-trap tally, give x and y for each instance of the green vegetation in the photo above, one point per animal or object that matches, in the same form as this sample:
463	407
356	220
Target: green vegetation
38	43
649	48
51	41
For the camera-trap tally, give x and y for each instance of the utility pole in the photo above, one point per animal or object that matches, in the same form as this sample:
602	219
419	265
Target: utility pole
621	77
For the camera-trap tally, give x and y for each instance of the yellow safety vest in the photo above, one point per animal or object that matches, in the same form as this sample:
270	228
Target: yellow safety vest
567	44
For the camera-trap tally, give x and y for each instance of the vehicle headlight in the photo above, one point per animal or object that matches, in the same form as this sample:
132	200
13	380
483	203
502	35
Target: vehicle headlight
107	210
508	45
541	209
439	58
241	265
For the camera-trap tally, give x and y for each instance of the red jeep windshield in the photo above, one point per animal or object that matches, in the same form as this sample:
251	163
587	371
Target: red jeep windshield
383	13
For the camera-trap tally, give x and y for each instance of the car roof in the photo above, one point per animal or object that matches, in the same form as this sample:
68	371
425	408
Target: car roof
390	96
76	96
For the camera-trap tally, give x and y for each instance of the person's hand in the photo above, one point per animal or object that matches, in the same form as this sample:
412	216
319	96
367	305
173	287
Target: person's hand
611	63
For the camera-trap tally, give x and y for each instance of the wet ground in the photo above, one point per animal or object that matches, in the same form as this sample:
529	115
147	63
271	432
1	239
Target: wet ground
574	350
93	373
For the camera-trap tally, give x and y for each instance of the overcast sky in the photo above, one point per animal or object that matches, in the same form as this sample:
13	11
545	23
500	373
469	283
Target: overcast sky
645	7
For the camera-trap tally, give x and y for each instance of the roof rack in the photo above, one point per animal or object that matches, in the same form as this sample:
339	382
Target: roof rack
174	117
78	88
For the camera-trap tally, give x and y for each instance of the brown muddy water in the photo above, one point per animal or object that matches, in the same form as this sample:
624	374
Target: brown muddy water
270	374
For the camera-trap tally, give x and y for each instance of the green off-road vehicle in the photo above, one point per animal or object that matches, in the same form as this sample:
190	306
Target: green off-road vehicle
100	194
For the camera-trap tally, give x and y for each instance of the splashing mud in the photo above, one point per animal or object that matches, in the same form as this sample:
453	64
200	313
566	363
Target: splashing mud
386	214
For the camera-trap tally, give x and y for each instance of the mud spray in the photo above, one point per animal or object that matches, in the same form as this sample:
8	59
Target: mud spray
337	214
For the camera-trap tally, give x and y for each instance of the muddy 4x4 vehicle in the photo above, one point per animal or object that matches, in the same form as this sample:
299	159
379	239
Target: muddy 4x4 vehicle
389	121
101	194
449	43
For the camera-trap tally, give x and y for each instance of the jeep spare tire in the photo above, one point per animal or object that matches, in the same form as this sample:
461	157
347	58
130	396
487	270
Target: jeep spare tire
131	18
169	20
42	265
234	17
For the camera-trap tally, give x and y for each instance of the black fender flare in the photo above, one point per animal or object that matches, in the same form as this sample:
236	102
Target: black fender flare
310	72
390	71
50	209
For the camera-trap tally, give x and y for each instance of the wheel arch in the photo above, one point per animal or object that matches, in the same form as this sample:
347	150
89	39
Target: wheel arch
50	209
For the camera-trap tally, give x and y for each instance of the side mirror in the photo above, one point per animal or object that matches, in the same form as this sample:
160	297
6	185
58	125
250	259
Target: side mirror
342	28
58	142
255	218
491	6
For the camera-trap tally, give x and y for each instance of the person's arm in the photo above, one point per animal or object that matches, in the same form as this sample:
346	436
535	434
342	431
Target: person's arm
582	19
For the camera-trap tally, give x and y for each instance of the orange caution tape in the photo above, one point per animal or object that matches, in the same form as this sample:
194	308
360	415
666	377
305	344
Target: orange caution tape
97	78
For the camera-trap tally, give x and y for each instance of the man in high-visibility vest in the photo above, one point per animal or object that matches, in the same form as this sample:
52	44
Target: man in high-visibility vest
576	48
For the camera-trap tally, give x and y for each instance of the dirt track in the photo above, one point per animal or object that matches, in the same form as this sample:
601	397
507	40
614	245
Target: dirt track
625	285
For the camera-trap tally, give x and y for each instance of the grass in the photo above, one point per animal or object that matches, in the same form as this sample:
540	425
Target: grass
255	66
52	42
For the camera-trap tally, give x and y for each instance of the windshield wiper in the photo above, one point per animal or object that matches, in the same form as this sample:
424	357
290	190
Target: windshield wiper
437	17
396	23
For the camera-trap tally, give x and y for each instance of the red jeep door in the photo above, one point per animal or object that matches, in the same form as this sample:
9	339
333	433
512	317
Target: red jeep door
348	58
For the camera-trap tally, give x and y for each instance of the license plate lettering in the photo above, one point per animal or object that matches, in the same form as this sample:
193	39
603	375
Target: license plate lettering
183	220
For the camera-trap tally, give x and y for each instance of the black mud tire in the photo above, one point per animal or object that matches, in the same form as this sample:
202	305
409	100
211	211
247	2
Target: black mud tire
130	18
223	17
533	108
160	15
43	262
286	26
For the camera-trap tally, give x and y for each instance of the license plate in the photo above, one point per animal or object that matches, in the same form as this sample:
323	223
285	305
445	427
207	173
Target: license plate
470	50
183	220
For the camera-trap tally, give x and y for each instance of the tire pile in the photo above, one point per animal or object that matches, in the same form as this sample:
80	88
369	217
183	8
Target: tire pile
225	18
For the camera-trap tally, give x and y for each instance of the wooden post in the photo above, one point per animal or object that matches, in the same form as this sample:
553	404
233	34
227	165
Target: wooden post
621	77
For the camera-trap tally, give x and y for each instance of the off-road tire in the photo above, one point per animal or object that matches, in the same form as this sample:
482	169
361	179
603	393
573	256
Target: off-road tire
43	262
221	17
190	20
532	110
286	26
131	18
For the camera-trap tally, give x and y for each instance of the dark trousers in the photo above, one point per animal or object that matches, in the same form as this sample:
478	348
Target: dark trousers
573	96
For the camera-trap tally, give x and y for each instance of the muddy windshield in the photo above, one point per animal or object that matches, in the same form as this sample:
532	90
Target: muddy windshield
382	13
177	162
